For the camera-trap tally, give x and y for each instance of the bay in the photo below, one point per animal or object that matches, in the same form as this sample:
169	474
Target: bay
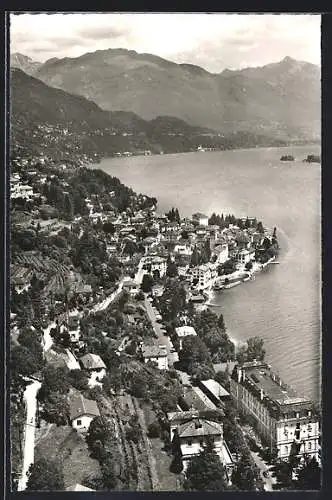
283	304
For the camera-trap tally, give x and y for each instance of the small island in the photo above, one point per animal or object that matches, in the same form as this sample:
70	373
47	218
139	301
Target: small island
287	158
312	159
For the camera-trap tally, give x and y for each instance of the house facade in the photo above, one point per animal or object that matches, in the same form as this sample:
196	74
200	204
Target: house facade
155	263
204	275
184	331
283	420
94	365
156	354
200	219
221	252
82	411
193	431
244	256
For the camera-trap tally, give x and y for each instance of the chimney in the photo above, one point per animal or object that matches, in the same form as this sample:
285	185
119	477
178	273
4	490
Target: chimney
262	394
280	382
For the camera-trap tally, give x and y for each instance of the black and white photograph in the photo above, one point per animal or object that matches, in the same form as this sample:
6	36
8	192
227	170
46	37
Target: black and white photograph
165	252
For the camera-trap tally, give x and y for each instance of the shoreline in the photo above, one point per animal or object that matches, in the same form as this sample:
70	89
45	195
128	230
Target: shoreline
95	165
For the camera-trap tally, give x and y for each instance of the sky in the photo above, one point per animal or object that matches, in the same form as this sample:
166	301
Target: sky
212	41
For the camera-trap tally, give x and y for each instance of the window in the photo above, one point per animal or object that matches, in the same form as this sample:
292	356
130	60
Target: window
309	445
309	413
189	442
79	422
297	415
286	450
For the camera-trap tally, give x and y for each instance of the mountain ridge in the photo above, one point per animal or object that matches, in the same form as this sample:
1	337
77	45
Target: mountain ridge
52	121
280	98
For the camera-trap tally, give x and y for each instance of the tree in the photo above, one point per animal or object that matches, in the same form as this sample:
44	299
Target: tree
309	475
260	228
171	270
56	409
108	228
154	429
100	430
255	349
68	207
24	362
78	379
248	266
246	475
204	470
193	352
55	379
108	472
45	475
194	261
147	283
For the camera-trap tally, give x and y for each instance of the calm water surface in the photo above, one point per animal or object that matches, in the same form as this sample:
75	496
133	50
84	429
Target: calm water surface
283	304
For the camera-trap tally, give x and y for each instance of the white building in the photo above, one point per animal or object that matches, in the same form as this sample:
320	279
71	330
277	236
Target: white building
244	256
184	331
193	431
155	263
283	419
94	365
82	411
21	191
221	252
183	249
156	354
201	219
204	275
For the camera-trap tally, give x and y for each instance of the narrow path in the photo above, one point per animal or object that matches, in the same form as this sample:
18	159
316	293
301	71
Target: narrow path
30	394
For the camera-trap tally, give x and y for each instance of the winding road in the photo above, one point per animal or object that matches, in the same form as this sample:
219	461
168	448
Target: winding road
30	394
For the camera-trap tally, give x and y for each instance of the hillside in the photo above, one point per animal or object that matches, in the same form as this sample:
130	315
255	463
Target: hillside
49	119
282	98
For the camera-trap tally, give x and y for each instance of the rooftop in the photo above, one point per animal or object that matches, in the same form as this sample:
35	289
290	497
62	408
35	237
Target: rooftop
199	215
199	427
92	362
184	331
260	375
215	388
79	405
154	351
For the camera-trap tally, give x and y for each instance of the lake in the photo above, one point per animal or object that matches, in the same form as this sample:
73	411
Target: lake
283	304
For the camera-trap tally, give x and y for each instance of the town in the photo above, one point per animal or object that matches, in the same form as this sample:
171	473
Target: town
122	377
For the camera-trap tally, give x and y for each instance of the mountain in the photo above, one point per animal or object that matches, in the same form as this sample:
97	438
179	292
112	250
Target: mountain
54	122
281	98
24	63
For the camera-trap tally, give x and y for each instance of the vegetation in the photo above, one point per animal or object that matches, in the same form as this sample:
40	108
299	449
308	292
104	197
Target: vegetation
246	476
212	331
101	441
205	471
45	475
253	349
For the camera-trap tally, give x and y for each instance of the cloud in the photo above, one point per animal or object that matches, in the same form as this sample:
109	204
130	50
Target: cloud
213	41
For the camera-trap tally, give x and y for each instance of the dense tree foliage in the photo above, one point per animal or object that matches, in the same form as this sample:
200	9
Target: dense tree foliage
253	349
211	330
246	476
173	215
45	475
205	472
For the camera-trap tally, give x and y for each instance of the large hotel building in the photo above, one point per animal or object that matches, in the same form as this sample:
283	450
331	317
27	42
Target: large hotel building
283	420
